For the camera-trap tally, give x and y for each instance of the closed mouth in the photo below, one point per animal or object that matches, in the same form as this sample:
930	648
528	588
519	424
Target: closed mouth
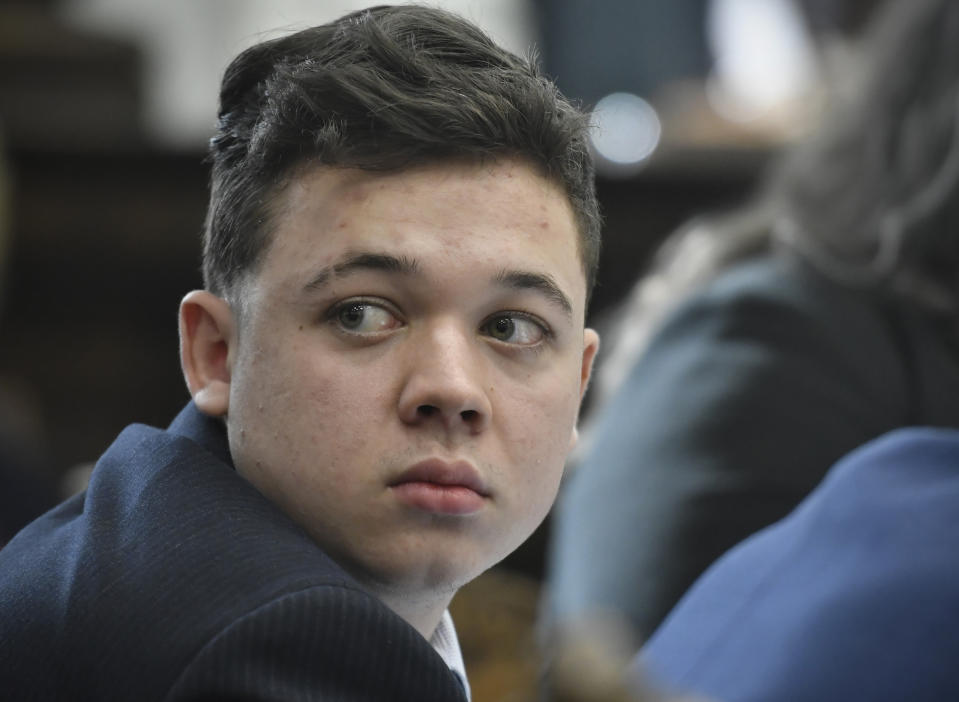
444	473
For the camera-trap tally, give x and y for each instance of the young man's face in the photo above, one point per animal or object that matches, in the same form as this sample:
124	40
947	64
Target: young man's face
405	377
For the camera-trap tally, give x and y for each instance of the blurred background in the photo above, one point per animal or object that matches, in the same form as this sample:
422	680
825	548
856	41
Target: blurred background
106	107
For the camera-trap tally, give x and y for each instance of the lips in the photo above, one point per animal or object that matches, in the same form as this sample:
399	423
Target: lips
441	487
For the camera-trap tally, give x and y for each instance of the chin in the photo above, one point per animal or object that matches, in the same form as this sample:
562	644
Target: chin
435	573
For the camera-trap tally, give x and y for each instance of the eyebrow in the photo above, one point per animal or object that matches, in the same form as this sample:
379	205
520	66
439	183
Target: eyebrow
363	261
527	280
514	279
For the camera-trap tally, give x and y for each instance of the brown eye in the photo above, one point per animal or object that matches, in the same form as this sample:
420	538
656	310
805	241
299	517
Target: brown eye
515	329
502	328
364	318
352	316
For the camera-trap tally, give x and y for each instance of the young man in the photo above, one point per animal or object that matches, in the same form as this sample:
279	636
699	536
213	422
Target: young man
386	367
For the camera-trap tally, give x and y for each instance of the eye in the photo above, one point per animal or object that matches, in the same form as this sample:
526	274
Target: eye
361	317
514	328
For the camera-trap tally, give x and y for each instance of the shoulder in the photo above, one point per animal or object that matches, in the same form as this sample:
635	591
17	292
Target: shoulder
912	469
773	291
851	596
739	377
939	444
168	551
770	323
765	343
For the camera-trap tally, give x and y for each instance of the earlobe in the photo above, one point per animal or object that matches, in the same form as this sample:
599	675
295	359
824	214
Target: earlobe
206	339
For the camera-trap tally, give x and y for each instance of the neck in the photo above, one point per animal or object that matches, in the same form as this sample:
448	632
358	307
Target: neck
422	612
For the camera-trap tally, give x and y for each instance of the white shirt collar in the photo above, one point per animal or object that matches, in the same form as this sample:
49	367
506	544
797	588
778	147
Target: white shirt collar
446	643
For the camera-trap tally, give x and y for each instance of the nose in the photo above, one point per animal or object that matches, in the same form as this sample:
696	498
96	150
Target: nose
445	383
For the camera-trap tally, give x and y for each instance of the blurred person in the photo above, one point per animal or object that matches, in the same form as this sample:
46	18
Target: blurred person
386	366
768	343
850	597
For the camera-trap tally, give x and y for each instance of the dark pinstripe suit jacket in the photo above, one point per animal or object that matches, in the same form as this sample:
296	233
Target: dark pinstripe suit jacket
171	578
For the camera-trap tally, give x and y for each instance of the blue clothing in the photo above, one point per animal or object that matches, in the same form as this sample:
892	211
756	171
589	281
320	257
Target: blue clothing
172	578
749	391
853	596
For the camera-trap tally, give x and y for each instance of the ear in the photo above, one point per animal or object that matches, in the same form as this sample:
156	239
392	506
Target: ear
590	347
206	339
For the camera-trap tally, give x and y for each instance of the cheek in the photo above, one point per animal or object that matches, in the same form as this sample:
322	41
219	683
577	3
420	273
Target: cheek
274	396
547	411
540	431
333	407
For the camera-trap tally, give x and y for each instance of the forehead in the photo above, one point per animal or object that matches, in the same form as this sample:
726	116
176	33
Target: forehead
453	216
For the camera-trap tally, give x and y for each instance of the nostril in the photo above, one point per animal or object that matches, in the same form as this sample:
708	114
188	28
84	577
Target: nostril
423	412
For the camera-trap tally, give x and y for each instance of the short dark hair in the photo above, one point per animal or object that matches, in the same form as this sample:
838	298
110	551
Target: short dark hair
382	89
